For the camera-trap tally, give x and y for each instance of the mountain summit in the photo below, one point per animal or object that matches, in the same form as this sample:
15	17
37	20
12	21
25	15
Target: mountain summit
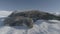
28	18
36	15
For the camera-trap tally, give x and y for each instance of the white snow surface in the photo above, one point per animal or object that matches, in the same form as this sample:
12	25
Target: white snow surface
39	27
5	13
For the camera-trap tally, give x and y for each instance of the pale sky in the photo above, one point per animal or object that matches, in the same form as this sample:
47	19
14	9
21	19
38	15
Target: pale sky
44	5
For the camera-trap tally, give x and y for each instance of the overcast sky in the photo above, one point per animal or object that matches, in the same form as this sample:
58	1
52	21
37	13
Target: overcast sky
45	5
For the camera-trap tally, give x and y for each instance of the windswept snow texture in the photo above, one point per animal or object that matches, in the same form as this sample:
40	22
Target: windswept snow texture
40	27
5	13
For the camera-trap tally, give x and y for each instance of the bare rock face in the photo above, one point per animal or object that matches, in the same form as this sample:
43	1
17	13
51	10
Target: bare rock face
36	15
28	17
18	21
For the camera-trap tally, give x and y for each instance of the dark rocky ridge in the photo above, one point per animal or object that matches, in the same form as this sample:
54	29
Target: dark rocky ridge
28	18
36	15
18	21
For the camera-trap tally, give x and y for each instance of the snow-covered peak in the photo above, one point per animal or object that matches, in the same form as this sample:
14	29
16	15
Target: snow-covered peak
55	13
5	13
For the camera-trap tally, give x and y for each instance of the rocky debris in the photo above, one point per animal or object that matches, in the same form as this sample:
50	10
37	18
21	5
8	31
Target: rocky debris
18	21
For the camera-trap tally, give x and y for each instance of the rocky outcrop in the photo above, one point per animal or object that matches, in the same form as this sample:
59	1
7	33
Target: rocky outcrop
28	18
36	15
18	21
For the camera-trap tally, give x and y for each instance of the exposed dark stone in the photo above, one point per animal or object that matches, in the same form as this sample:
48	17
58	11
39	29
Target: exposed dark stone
28	17
36	15
18	21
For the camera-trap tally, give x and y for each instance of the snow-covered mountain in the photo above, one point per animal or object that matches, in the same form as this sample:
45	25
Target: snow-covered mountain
5	13
39	27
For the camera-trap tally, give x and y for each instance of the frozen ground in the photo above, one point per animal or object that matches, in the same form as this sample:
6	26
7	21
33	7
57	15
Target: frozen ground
40	27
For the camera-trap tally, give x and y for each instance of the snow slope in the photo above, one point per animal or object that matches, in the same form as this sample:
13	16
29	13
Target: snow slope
5	13
40	27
